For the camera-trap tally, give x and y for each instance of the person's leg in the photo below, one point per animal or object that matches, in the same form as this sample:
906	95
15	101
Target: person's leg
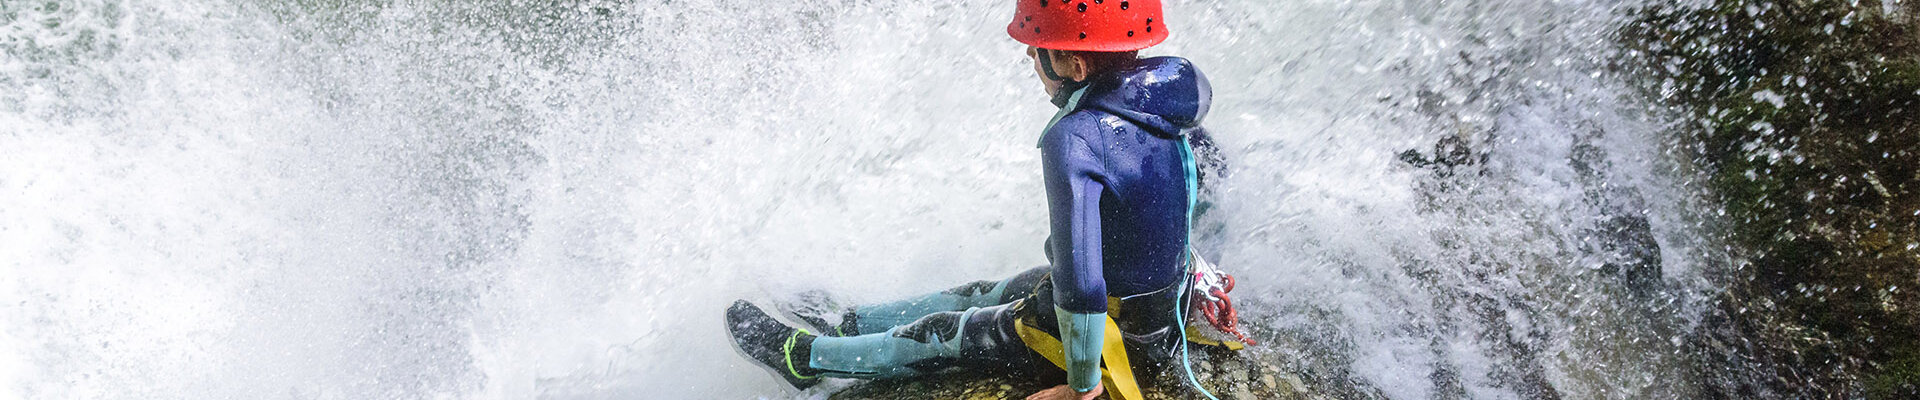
977	338
876	318
981	338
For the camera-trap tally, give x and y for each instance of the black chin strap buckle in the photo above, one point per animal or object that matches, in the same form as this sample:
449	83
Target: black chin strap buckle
1046	65
1067	87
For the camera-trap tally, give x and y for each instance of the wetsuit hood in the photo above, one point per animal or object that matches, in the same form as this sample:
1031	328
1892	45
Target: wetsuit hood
1165	95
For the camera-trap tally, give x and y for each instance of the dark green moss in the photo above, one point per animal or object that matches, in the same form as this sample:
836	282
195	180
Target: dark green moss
1809	125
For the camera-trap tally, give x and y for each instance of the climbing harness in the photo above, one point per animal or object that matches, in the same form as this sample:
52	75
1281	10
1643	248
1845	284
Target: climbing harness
1116	371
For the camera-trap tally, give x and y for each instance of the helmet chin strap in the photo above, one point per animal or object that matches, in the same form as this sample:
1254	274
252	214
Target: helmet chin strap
1067	86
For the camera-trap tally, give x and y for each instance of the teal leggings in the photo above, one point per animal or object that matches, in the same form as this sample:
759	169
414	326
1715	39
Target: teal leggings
971	326
877	318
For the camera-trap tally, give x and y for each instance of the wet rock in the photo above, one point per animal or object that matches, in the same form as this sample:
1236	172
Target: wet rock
1449	153
1807	117
1248	374
1294	383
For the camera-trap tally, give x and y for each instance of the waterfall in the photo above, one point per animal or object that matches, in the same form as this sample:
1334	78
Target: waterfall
483	199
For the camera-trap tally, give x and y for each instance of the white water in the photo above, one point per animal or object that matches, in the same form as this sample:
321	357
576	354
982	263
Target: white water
213	199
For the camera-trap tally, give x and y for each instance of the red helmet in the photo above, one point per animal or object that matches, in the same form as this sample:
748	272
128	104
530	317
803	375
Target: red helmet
1088	25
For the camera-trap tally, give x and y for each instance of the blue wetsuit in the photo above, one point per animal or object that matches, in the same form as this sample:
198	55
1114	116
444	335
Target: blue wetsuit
1116	190
1117	193
1117	196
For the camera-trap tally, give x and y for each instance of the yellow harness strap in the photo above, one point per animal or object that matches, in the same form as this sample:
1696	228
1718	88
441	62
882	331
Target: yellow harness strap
1115	372
1194	335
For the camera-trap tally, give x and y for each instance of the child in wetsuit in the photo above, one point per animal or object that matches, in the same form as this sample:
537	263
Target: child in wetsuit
1121	177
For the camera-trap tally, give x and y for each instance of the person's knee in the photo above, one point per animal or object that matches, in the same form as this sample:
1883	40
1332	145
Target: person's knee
988	339
932	328
1021	285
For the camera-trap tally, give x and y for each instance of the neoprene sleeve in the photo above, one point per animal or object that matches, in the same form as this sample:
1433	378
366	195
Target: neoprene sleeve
1074	185
1082	335
1080	291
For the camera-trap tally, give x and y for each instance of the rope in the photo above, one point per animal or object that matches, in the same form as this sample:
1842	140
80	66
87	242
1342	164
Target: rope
1193	198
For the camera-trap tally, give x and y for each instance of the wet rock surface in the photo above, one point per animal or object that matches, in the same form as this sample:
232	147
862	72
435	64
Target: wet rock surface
1806	116
1249	374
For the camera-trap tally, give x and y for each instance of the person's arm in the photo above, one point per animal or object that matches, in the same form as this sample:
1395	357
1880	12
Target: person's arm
1074	185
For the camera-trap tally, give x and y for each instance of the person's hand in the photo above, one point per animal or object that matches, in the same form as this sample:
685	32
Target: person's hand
1063	392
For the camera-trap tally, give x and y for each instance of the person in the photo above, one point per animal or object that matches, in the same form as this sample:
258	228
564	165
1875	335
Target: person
1121	177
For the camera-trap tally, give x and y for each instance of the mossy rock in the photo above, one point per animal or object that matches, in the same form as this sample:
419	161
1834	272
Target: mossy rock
1230	375
1808	122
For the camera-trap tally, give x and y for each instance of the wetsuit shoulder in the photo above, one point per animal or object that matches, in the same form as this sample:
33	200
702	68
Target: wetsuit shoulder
1084	125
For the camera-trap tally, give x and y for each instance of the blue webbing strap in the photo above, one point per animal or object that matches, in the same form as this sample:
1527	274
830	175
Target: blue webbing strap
1193	198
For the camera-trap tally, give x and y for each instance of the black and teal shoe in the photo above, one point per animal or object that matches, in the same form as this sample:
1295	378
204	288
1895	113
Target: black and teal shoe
778	347
815	308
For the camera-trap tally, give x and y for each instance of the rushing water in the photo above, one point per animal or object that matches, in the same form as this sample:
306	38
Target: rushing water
428	199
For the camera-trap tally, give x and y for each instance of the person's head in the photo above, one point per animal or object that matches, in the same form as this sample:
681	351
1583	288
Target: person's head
1059	68
1072	40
